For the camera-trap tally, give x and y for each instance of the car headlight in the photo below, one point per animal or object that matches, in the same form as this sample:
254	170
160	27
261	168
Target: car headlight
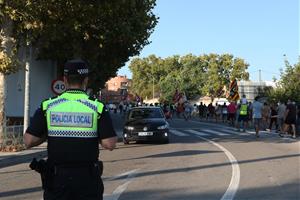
130	128
165	126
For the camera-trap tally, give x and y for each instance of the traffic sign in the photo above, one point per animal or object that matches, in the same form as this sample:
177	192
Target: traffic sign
58	86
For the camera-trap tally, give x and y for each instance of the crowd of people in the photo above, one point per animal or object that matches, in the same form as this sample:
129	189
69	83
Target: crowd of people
259	114
280	117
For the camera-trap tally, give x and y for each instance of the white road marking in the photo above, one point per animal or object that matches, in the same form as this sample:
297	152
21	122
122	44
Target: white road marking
119	176
215	132
240	133
197	132
120	189
178	133
235	177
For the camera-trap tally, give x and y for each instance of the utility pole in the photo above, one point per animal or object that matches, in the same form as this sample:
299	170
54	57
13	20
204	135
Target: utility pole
152	86
27	86
152	82
259	75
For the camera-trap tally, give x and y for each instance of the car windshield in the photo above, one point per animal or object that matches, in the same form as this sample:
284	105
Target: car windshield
145	113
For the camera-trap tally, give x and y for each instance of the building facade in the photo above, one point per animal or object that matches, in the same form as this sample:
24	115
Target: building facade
42	73
251	88
116	89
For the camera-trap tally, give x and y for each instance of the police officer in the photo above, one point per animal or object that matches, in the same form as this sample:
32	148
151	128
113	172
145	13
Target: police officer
243	116
73	124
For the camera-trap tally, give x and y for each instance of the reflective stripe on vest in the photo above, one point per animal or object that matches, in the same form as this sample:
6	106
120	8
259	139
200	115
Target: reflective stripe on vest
72	115
243	110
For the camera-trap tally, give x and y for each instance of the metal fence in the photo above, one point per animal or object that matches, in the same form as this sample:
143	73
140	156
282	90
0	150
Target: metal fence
12	136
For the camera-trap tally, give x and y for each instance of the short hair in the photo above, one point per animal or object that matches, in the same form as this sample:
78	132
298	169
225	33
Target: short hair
256	98
75	79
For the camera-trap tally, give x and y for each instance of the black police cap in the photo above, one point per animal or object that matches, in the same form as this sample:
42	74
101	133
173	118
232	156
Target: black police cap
76	67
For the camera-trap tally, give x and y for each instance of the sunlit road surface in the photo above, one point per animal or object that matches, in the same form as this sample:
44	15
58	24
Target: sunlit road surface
202	161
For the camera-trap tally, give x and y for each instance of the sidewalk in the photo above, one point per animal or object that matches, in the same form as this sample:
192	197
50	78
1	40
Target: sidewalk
13	158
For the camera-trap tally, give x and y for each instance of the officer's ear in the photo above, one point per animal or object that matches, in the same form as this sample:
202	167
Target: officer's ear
66	81
85	83
86	80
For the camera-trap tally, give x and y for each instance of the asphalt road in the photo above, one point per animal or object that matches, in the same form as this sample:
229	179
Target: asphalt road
202	161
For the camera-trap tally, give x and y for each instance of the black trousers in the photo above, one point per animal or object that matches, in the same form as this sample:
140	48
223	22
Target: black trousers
273	121
75	183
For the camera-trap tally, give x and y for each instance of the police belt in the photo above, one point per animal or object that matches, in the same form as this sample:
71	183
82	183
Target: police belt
47	170
76	165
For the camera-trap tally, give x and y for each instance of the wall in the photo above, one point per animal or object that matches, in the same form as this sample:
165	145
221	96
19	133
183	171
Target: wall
42	74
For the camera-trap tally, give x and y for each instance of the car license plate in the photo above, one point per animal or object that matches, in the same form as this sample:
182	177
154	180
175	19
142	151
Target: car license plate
145	133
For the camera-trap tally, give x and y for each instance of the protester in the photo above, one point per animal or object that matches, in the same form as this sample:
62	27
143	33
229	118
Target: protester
231	112
211	111
281	115
273	118
266	113
224	112
201	108
290	119
218	111
244	100
257	115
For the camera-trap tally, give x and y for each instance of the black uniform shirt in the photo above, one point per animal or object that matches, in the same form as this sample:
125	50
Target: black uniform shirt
68	149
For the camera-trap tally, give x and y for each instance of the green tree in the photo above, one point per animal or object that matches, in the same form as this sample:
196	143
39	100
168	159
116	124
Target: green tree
104	33
288	87
194	75
220	70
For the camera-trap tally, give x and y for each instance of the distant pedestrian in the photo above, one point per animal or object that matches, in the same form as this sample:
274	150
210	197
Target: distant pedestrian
211	111
281	115
244	100
187	111
273	118
257	115
218	112
250	115
121	106
290	118
224	113
231	109
201	110
266	113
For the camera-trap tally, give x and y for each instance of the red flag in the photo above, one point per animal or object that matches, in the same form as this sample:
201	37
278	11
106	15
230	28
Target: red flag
233	91
175	96
137	98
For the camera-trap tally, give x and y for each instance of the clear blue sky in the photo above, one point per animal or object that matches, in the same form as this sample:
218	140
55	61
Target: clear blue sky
259	31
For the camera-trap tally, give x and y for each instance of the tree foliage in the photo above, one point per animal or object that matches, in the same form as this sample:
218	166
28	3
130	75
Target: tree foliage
288	87
104	33
194	75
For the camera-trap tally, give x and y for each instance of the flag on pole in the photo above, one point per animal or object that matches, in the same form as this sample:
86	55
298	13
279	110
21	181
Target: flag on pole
176	96
137	98
233	91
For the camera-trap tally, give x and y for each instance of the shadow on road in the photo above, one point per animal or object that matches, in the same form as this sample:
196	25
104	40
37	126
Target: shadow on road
187	169
171	154
287	191
19	159
20	192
